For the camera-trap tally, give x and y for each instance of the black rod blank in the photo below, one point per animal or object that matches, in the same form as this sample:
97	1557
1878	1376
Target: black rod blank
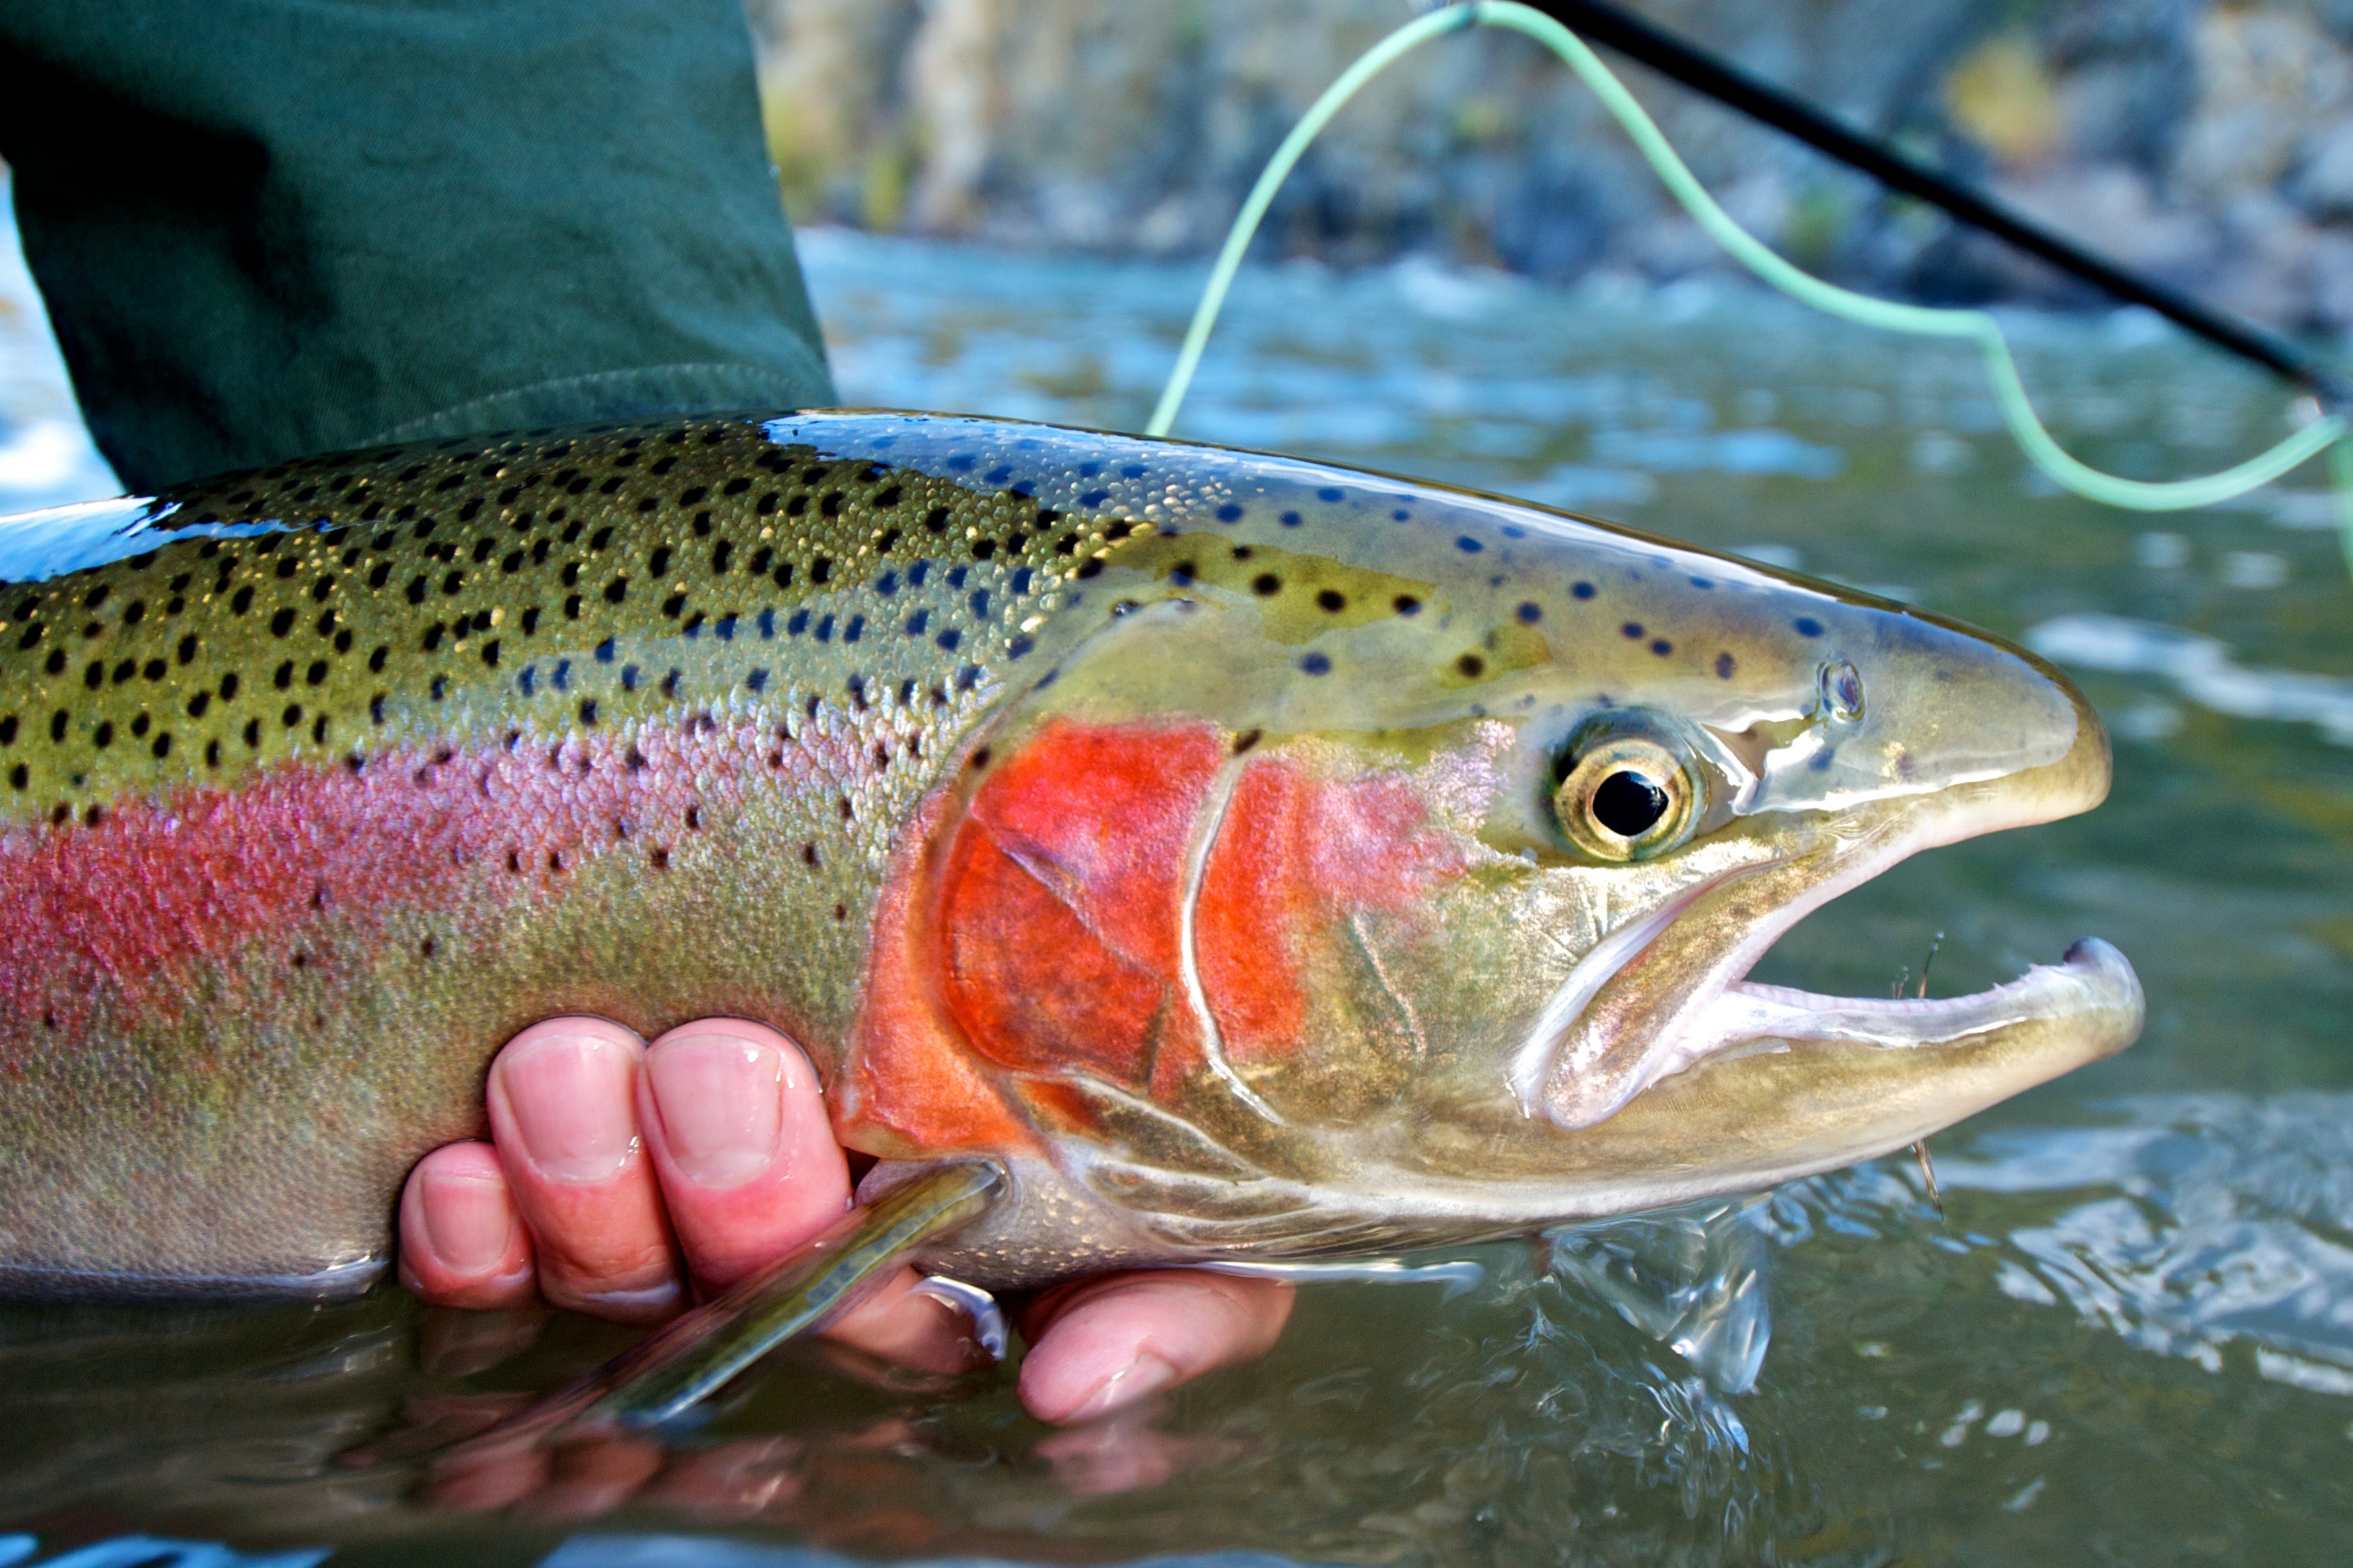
1642	40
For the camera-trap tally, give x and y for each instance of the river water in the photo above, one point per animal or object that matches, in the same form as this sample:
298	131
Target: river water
2128	1338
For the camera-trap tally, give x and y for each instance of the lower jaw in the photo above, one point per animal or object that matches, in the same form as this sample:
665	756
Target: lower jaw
1762	1112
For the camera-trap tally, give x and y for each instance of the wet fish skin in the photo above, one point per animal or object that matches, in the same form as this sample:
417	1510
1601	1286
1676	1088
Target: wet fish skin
939	743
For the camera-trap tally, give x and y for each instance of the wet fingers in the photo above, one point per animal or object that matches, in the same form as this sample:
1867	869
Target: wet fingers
563	1103
461	1242
1107	1342
735	1123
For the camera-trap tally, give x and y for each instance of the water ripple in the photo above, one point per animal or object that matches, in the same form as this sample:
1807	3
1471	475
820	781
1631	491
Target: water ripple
2190	1222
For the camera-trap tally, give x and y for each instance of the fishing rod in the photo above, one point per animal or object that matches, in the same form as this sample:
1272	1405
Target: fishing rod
2327	434
1645	41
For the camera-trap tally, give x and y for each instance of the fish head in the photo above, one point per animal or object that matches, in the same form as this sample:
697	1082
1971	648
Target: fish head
1429	865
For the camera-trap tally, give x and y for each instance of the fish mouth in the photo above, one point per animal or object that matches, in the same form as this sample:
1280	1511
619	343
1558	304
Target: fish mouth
1666	996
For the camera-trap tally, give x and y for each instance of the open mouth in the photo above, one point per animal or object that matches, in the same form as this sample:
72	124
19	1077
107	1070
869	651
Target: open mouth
2091	979
1603	1041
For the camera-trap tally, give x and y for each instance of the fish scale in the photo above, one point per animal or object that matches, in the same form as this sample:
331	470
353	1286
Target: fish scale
1179	829
578	583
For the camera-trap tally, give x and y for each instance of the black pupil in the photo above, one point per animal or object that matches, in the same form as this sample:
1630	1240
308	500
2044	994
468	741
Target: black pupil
1628	805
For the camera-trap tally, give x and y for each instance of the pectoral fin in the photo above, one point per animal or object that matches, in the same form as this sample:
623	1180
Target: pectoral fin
687	1361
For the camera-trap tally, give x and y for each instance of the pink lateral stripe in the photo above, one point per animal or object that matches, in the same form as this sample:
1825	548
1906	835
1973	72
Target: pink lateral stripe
130	907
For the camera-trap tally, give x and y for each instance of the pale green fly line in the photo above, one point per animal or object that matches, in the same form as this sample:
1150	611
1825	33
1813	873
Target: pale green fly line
2325	433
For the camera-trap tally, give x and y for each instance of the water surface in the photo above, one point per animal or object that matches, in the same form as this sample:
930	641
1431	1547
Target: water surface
2130	1338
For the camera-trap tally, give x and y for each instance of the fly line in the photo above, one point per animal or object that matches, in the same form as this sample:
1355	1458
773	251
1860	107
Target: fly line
2324	433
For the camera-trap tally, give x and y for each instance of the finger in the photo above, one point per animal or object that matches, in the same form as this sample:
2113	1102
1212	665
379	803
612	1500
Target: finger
735	1120
909	1329
735	1123
563	1103
461	1242
1108	1342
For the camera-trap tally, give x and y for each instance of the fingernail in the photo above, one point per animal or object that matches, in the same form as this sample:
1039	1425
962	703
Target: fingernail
571	1100
720	1100
468	1221
1147	1375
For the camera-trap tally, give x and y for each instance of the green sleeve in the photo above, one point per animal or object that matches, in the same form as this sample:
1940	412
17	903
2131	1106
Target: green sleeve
271	228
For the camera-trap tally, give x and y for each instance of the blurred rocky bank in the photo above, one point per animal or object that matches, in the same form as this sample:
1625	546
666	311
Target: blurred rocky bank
2208	143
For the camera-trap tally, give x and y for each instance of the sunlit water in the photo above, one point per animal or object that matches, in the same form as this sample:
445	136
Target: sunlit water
2129	1339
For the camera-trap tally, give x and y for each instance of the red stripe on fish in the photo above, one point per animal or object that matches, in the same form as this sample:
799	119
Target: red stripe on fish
1063	895
908	1087
136	905
1058	900
1296	854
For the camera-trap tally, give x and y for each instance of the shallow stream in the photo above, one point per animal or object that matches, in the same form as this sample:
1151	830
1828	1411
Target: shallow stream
2130	1338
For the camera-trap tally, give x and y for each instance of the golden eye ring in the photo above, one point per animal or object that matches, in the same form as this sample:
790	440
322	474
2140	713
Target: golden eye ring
1625	797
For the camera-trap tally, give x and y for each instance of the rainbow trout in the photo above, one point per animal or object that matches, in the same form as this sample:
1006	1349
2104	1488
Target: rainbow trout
1252	859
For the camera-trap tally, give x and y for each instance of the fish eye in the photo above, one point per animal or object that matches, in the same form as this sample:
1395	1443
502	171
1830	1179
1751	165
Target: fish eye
1623	797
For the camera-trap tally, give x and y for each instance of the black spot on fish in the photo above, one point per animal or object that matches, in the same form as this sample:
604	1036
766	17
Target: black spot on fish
1807	626
1531	613
1468	545
1332	600
1266	585
1314	664
1406	605
1662	646
1292	520
1471	666
1633	629
1330	493
1723	667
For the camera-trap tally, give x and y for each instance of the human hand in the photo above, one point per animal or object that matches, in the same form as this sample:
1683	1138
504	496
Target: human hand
624	1179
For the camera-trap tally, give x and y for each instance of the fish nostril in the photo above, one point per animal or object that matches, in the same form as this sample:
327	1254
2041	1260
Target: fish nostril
1842	690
